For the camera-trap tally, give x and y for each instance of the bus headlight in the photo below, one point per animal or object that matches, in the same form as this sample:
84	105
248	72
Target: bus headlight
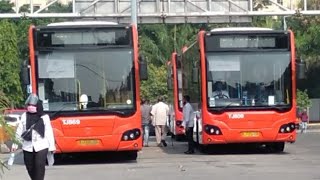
212	130
131	135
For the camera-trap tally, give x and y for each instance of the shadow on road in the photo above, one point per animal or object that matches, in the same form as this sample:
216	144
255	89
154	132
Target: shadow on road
92	158
85	158
221	149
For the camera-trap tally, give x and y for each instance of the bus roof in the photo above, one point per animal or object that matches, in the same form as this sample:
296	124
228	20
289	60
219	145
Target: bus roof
82	23
240	29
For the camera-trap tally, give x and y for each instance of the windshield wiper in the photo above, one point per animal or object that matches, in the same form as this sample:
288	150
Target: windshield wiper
280	108
61	109
221	109
105	110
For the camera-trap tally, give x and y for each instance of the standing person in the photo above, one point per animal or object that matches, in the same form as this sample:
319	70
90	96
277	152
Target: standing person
146	120
304	120
188	116
160	112
36	134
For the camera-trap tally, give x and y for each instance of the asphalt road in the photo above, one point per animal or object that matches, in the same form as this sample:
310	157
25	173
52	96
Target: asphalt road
300	161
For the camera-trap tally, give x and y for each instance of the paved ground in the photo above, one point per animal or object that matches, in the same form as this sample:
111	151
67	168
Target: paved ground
301	160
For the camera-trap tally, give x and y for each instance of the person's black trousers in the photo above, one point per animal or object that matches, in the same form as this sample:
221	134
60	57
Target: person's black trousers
36	163
189	134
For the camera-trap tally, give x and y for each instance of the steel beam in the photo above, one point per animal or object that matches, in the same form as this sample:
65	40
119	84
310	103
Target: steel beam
90	5
73	6
31	6
192	3
232	2
134	13
52	2
16	6
209	5
279	5
205	9
168	15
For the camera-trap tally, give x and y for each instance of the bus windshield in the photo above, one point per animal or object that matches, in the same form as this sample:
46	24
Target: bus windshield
245	79
105	76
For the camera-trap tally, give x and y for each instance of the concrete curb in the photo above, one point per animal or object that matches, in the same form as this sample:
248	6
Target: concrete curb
314	126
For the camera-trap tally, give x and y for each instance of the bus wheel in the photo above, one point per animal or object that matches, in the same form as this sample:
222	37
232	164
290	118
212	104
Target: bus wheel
132	155
58	158
278	146
203	148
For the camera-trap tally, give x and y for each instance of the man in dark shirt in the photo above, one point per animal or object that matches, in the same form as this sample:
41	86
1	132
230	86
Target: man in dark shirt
146	120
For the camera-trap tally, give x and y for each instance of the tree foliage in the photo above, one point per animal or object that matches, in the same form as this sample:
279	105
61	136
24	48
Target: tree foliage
6	6
58	7
260	4
157	43
156	84
307	30
303	100
4	104
9	63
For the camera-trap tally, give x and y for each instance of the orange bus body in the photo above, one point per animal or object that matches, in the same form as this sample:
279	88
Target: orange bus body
178	116
247	125
90	133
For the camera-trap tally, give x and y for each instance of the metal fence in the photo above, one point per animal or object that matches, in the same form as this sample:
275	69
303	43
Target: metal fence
314	110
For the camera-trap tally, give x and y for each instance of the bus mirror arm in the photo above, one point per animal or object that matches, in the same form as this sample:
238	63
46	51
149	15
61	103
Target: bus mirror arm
25	73
143	68
300	69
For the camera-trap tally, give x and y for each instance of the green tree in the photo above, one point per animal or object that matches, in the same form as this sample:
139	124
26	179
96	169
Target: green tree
156	84
6	6
9	63
303	100
58	7
4	104
25	8
157	43
260	4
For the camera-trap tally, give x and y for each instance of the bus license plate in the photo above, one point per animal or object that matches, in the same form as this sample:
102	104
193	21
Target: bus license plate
250	134
86	142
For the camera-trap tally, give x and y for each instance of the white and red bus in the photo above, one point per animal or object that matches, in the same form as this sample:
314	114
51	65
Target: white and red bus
242	81
88	76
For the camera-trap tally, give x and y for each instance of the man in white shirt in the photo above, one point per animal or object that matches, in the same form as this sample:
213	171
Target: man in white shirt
160	112
188	122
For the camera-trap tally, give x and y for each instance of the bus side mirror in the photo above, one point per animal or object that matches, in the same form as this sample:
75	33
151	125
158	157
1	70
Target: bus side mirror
170	83
300	69
195	75
143	68
25	73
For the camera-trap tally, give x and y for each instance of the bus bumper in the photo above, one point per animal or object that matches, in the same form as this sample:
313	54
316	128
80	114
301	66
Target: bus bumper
248	136
94	144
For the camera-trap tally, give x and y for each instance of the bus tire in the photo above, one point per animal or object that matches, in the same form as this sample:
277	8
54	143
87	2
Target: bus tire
278	146
132	155
203	148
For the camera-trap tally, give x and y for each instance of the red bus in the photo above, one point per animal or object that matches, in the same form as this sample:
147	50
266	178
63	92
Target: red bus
242	82
175	84
88	76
